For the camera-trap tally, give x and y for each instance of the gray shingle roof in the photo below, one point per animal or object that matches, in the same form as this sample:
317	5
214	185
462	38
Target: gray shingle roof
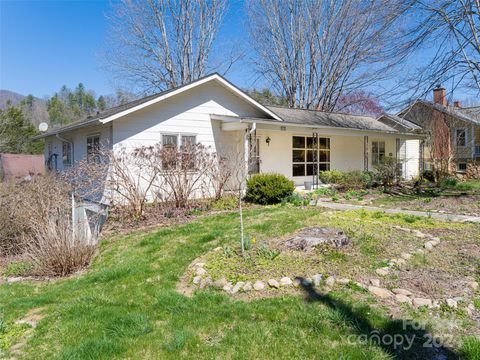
329	119
471	115
398	123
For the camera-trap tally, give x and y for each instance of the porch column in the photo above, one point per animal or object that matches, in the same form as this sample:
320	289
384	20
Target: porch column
365	152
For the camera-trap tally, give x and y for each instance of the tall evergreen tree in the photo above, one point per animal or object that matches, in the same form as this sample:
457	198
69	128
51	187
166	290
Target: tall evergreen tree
16	132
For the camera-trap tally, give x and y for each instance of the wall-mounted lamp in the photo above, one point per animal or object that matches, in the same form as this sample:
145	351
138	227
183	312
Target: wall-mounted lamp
267	140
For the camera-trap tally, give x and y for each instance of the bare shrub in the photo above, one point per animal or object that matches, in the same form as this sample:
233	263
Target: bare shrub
131	178
54	250
184	172
42	228
13	220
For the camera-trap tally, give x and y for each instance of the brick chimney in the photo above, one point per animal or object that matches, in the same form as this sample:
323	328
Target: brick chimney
457	104
440	96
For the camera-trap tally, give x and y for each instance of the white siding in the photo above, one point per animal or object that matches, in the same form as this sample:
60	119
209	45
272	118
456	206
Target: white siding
79	140
187	113
412	163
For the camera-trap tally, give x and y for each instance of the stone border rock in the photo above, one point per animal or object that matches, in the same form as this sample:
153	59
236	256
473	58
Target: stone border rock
405	256
403	296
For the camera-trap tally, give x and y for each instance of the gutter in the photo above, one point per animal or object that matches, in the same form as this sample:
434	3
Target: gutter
250	120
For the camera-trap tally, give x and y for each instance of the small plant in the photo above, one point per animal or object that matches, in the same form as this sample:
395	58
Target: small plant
449	182
225	203
325	192
267	189
264	251
428	175
247	245
228	252
18	268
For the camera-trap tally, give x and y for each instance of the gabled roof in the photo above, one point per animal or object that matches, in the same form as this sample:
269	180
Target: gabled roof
398	123
471	115
123	110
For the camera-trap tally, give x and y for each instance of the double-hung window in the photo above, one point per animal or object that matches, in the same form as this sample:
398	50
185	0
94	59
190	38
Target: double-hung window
378	152
67	153
93	148
181	142
306	153
461	137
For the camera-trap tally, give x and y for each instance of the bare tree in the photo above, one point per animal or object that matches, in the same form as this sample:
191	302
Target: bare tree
450	30
317	50
448	138
161	44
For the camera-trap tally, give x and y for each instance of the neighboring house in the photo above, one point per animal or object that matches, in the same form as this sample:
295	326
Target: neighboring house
452	141
214	112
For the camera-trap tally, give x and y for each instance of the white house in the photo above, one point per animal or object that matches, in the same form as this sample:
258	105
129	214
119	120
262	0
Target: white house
214	112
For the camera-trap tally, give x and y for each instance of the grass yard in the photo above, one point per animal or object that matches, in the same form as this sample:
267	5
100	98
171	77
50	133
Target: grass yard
127	306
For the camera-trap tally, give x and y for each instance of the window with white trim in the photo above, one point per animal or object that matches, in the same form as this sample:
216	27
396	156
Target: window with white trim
93	148
462	167
178	141
66	153
378	152
461	137
305	155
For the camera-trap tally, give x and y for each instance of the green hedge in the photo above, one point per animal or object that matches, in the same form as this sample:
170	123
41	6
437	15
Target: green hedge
266	189
348	179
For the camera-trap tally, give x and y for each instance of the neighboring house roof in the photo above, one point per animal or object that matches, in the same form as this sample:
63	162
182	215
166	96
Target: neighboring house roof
120	111
398	123
329	119
471	115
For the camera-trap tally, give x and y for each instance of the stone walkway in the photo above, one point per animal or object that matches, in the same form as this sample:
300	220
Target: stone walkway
434	215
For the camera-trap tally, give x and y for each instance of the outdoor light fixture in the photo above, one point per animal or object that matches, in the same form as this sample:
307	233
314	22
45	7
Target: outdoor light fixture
267	140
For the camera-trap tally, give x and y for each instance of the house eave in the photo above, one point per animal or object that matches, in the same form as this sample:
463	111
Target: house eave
67	128
251	120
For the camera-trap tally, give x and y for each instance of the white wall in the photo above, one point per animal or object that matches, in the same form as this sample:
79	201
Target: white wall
346	151
186	113
412	163
79	139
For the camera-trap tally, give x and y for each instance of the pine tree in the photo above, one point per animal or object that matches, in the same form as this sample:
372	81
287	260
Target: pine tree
16	132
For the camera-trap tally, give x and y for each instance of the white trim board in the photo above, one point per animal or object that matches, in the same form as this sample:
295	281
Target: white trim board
213	77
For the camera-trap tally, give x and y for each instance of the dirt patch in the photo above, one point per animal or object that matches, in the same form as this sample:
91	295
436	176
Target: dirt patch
31	320
309	238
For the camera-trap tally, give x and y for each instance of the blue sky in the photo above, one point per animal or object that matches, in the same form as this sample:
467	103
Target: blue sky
47	44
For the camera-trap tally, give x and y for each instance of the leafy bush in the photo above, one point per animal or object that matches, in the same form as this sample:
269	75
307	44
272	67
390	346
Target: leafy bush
297	199
348	179
266	189
225	203
449	182
331	176
325	192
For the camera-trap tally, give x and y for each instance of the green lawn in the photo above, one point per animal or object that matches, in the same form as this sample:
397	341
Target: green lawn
126	305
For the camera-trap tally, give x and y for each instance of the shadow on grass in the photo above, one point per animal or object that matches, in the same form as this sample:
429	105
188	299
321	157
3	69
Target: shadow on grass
402	339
